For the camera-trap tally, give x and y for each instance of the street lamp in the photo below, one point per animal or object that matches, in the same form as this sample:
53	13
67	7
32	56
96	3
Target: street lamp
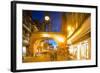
47	18
47	25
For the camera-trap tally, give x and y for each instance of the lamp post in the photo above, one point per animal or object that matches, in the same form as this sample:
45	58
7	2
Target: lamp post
47	23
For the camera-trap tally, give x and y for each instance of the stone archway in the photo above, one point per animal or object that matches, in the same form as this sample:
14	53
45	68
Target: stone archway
36	38
43	44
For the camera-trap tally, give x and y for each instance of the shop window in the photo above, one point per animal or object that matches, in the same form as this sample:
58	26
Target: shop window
79	51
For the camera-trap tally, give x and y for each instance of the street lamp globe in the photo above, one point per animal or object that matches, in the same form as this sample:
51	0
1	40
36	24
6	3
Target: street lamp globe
47	18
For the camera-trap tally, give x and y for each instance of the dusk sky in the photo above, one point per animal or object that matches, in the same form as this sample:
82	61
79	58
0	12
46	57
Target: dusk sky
55	19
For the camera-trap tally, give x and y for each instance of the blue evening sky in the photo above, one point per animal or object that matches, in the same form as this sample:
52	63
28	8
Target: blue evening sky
55	19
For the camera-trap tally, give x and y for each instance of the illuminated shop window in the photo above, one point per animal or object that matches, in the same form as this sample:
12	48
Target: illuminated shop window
84	50
79	51
73	52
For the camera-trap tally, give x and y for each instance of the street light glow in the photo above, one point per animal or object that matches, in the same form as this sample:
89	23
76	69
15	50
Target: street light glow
69	28
45	35
47	18
60	39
